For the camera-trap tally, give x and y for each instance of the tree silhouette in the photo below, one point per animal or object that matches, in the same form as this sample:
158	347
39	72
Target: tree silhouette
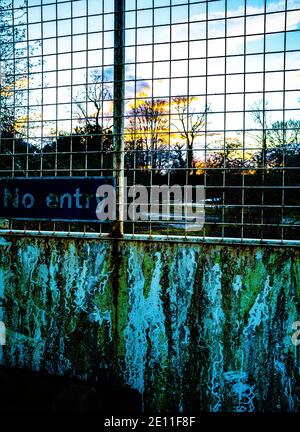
190	124
89	148
147	134
284	133
91	102
15	63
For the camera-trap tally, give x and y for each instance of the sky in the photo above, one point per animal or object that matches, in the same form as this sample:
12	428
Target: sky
173	56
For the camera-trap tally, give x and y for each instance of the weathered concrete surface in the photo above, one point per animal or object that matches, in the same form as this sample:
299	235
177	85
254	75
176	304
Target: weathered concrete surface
192	327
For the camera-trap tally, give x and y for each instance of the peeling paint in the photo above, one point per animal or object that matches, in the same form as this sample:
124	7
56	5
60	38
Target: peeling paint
145	320
243	394
192	327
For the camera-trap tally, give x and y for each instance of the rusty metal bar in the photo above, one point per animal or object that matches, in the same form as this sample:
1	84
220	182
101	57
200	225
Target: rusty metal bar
119	93
230	241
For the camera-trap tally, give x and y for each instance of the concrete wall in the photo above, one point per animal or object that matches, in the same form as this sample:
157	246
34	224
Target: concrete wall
192	327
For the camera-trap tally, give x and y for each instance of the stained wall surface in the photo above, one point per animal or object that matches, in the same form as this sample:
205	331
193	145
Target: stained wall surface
192	327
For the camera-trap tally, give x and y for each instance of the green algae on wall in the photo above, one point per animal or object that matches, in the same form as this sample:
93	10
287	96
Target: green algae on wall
192	327
58	305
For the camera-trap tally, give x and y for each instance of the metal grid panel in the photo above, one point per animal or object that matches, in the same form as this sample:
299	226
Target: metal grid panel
60	75
211	97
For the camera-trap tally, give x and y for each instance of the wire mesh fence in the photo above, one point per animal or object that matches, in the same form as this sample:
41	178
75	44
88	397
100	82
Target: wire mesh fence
199	94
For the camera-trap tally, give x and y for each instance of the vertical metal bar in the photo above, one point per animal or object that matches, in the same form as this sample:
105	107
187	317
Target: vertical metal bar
119	93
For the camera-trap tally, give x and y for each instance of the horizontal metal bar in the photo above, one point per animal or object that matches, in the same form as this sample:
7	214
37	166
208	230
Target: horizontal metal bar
154	238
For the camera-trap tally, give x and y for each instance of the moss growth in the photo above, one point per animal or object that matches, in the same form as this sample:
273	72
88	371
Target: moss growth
123	303
253	282
147	266
70	300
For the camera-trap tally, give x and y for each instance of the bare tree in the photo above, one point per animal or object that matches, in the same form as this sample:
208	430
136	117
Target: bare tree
15	65
273	135
91	101
94	132
191	124
226	153
147	130
178	155
261	118
284	132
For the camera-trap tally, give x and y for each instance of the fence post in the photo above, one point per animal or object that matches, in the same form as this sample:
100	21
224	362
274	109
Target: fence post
119	93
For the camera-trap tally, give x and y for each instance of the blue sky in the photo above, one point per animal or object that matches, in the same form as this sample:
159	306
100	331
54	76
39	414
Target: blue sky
174	56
